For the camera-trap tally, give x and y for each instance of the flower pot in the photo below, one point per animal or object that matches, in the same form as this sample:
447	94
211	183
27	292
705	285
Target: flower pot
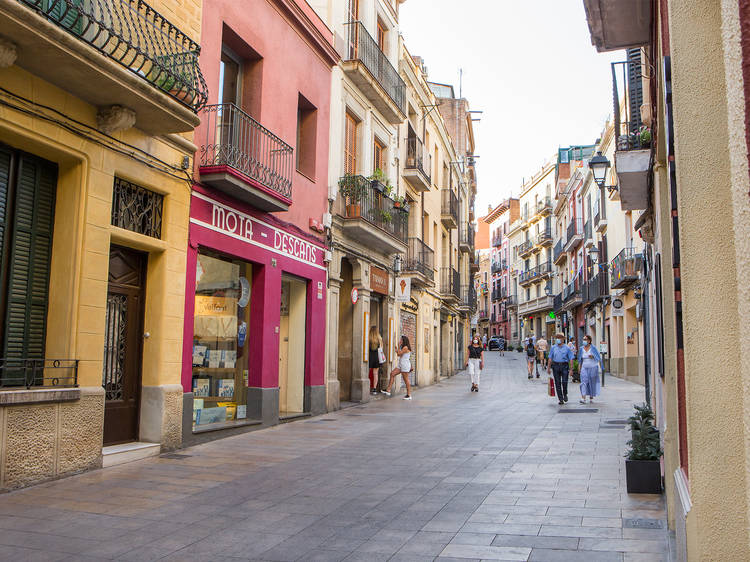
643	477
397	204
353	210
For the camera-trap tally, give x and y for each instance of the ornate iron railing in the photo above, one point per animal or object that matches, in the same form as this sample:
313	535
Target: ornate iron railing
511	300
575	228
539	271
44	373
364	48
469	297
450	204
136	208
625	267
366	202
558	251
572	291
525	247
595	288
420	258
466	235
417	158
236	140
543	237
450	282
133	34
557	302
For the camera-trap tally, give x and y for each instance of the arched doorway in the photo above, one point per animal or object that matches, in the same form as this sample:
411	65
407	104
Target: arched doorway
346	327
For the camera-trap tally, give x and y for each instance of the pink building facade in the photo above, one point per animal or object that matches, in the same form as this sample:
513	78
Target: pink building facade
255	300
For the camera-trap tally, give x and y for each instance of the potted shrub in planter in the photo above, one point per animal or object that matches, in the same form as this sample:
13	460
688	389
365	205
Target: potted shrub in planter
385	216
378	180
353	189
642	467
575	374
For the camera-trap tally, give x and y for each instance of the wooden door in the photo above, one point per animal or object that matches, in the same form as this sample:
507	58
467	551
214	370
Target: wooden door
123	344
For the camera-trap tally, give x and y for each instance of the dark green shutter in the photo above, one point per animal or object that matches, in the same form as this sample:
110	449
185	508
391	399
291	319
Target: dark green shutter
5	158
29	259
65	13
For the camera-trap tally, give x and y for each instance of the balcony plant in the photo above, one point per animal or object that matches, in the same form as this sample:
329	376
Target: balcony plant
643	467
378	180
644	136
352	189
385	216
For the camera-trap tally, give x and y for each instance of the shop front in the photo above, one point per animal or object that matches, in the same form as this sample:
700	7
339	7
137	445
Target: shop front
254	328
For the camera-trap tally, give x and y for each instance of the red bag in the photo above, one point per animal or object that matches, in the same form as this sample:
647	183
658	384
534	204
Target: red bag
551	386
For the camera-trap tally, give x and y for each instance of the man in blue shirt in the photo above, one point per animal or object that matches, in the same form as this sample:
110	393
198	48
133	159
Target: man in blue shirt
560	363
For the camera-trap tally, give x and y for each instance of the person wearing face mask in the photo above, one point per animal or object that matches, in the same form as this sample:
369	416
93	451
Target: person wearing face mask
589	360
475	362
560	364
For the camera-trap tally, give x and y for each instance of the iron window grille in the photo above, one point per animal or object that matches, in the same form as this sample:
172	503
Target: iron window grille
136	208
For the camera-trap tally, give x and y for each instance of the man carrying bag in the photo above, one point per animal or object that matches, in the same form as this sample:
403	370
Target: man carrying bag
560	363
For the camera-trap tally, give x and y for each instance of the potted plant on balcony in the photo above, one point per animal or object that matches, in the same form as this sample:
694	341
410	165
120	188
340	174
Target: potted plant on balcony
644	136
643	467
388	189
378	180
351	188
385	216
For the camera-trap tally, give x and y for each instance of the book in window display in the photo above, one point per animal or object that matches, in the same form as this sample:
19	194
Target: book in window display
225	388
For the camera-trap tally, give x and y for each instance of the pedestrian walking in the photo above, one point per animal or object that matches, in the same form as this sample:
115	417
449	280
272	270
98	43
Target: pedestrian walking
475	363
560	363
484	341
403	350
374	358
589	361
531	358
541	347
501	345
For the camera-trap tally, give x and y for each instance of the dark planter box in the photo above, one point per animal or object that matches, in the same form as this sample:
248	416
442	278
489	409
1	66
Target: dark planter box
643	477
377	186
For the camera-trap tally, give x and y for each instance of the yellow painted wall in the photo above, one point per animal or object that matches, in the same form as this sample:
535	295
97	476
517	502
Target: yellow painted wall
713	253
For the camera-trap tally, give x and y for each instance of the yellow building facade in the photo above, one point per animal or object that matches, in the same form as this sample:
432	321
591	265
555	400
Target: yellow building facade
94	173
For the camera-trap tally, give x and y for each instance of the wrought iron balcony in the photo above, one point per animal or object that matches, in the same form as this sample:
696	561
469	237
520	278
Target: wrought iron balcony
450	283
558	255
624	269
511	301
557	302
38	372
497	241
449	209
468	297
418	166
483	314
244	159
373	73
496	267
544	238
572	294
525	247
146	46
596	288
600	216
536	273
420	259
544	207
466	237
588	237
574	234
371	217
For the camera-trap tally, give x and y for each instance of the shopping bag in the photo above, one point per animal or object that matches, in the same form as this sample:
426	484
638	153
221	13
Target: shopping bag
381	355
551	386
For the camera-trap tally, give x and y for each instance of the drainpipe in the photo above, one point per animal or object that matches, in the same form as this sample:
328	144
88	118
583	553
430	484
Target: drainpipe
646	326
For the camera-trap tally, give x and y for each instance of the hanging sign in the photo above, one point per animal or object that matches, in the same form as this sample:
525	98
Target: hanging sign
618	308
378	280
403	289
355	295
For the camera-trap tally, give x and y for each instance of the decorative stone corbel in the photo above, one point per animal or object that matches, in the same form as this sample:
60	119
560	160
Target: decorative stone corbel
8	53
115	118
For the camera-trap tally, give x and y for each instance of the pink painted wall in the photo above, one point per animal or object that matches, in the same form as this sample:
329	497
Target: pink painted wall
283	33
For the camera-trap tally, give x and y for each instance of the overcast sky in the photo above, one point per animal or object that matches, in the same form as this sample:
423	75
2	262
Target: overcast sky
528	65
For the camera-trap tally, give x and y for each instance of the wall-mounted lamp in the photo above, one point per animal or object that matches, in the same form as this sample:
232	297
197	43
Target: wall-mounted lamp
397	264
599	165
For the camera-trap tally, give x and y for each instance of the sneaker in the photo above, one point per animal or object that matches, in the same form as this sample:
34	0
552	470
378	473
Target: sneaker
385	392
407	397
476	389
471	389
582	400
565	399
530	377
561	403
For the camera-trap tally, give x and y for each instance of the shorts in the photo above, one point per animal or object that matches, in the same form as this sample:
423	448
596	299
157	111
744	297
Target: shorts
530	359
404	366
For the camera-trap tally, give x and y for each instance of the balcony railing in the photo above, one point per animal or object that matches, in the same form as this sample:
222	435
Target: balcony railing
525	247
495	267
628	98
587	231
557	302
539	271
366	202
450	282
420	258
483	314
417	158
497	241
42	373
558	251
574	232
466	235
496	296
511	300
236	140
544	237
572	291
625	267
544	206
450	206
595	288
469	297
134	35
364	48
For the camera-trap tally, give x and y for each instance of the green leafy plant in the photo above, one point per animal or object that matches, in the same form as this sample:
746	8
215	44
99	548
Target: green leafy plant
644	133
645	444
388	189
386	216
378	175
351	188
575	365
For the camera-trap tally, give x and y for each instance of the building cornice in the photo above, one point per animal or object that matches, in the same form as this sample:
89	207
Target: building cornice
320	37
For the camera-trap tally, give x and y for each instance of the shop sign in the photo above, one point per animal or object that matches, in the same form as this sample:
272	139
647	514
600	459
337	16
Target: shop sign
403	289
218	217
618	308
378	280
215	306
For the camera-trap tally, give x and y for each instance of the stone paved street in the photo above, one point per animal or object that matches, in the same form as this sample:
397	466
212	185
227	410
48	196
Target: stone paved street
504	474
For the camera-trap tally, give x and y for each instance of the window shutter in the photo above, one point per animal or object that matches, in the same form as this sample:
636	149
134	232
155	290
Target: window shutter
29	260
635	89
5	158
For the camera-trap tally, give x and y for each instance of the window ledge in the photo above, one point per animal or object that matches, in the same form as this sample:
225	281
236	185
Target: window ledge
38	395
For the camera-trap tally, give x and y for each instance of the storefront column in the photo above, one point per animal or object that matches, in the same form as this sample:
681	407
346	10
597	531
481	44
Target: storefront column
315	377
332	379
263	369
360	381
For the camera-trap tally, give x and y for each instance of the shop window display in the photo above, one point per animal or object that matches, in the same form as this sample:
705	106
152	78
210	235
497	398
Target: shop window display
220	340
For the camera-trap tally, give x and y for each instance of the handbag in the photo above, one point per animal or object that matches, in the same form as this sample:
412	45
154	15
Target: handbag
381	355
551	385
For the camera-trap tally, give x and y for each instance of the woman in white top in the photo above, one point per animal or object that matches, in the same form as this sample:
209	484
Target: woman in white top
589	361
403	350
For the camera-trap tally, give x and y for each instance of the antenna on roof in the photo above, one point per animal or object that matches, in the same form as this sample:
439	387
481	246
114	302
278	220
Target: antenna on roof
460	83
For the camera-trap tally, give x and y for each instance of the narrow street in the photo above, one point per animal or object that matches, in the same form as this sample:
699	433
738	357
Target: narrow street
504	474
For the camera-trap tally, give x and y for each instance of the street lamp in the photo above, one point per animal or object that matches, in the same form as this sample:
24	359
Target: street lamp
594	254
599	165
397	264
